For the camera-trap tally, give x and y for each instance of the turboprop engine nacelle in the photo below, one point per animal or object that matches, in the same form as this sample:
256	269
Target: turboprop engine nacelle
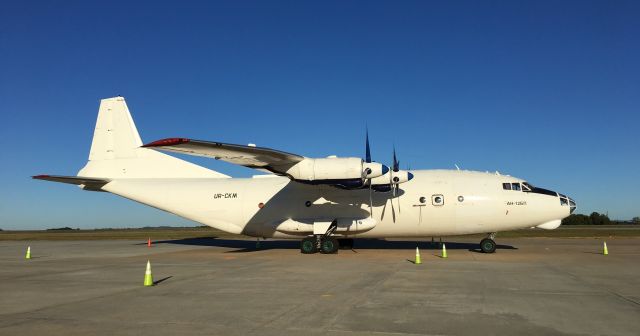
374	169
335	169
392	177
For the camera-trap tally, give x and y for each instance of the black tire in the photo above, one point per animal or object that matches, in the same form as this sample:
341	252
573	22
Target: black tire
308	245
329	245
487	245
346	244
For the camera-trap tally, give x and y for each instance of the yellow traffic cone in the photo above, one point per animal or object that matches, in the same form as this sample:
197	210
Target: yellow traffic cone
28	256
605	251
148	278
418	261
444	251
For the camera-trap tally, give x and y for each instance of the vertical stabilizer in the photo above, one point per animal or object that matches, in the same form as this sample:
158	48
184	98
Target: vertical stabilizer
116	152
115	136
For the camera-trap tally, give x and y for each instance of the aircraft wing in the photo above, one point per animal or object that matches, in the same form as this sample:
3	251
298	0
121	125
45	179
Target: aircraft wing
249	156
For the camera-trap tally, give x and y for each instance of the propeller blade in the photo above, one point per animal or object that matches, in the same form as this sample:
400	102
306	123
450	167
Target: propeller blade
393	211
396	163
367	149
393	191
370	200
391	185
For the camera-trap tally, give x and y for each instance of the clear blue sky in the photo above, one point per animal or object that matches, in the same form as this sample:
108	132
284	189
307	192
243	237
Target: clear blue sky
544	90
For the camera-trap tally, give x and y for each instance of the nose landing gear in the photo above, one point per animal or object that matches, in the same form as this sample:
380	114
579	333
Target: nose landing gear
488	245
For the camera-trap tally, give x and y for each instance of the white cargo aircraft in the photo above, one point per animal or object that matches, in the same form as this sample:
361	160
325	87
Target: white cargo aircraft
322	201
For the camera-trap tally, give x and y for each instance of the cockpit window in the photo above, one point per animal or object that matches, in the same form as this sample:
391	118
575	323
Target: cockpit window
517	186
529	188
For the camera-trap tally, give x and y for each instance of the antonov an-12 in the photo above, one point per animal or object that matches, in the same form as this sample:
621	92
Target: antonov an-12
324	202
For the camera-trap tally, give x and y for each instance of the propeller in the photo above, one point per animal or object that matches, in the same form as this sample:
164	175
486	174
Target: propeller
368	160
393	180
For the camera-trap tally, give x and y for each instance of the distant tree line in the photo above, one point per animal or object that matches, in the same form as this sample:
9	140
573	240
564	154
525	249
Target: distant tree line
594	219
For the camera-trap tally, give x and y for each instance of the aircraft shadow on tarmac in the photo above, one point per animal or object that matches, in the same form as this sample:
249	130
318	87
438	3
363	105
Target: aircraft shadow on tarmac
250	245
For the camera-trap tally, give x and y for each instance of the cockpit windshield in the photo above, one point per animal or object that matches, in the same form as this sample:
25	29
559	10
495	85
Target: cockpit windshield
515	186
529	188
526	187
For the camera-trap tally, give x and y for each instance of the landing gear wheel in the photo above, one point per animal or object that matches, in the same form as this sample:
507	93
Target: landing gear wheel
308	246
329	245
488	245
346	244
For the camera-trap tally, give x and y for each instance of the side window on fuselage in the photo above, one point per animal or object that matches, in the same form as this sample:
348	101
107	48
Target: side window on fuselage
515	186
506	186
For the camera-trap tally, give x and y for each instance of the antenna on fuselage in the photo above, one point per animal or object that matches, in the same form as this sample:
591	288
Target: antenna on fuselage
458	168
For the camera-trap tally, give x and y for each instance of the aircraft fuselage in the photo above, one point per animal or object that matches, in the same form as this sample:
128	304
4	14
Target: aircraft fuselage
434	203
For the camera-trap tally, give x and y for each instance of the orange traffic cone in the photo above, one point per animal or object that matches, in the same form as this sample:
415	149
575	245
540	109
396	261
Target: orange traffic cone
149	242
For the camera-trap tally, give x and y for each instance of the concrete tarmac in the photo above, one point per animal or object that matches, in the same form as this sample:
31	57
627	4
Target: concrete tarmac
530	286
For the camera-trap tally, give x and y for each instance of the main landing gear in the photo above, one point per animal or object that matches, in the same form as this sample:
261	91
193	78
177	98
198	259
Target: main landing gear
488	245
321	242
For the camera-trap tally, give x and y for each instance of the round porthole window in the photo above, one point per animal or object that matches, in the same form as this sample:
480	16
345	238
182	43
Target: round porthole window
437	199
422	199
460	198
307	203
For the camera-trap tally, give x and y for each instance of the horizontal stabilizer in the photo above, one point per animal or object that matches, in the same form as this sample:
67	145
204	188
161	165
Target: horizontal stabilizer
88	183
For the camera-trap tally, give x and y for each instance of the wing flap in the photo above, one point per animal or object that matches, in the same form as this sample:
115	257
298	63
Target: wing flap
248	156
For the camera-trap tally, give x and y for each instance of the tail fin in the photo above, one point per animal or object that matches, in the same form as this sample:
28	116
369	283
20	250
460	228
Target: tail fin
115	136
116	152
